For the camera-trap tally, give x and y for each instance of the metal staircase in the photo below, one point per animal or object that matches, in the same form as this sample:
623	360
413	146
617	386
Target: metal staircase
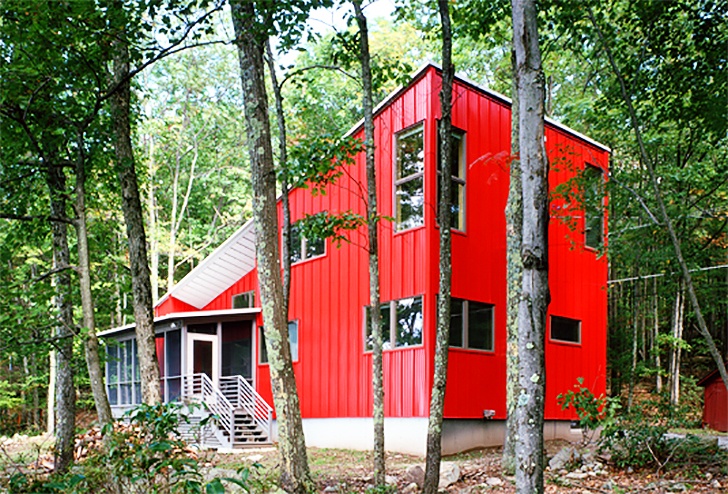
240	416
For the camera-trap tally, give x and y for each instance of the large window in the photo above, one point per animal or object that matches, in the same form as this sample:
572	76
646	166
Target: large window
565	329
471	325
244	300
401	324
457	176
303	248
292	342
409	179
122	370
593	207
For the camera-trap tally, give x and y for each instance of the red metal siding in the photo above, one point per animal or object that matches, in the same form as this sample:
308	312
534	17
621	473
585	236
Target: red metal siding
171	305
715	411
328	293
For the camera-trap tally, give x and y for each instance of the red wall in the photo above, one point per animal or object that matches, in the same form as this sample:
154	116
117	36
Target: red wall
328	293
715	411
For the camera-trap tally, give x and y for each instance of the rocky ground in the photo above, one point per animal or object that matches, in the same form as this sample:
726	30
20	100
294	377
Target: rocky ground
571	470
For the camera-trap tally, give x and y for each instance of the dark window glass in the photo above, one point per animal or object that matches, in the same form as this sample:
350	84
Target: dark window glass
174	387
480	326
457	187
315	247
303	248
593	207
262	351
173	352
296	252
565	329
206	328
409	322
244	300
409	180
386	320
292	342
112	363
456	322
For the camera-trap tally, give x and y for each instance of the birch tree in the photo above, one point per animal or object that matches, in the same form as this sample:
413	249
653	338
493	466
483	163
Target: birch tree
534	297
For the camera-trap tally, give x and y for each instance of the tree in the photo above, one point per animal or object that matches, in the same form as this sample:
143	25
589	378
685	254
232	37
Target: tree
534	298
437	399
373	238
251	38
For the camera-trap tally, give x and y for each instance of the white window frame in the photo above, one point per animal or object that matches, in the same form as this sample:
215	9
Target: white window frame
391	342
302	244
120	363
417	128
461	179
600	171
465	335
566	342
250	295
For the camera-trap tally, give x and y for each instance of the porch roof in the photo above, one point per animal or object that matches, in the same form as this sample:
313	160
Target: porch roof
232	260
208	314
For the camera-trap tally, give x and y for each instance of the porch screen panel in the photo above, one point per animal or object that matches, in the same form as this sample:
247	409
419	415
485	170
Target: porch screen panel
173	356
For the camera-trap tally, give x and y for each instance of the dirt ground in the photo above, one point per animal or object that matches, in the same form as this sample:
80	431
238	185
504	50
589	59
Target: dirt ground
345	471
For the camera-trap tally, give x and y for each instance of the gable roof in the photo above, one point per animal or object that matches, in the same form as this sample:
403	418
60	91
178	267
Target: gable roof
236	256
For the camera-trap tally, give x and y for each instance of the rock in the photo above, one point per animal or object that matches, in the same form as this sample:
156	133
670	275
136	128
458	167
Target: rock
415	474
411	488
390	480
715	484
449	474
254	458
331	488
677	487
566	456
577	475
493	481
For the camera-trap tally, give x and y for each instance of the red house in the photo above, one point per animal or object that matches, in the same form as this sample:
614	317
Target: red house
715	406
208	327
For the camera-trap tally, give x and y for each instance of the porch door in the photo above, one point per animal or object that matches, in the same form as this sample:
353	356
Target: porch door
203	356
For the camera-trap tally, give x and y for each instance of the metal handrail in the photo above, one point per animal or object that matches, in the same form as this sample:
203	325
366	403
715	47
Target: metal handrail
199	387
241	393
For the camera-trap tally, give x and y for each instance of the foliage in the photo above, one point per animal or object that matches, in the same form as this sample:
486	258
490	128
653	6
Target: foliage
330	225
592	411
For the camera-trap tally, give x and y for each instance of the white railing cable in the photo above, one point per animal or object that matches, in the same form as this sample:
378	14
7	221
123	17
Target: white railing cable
198	387
241	394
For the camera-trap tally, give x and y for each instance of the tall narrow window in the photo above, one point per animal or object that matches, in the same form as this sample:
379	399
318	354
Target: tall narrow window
593	207
457	175
409	179
303	248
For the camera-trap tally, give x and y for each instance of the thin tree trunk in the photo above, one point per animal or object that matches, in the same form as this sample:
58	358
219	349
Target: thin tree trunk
439	381
133	216
656	338
647	161
514	224
534	250
372	228
283	165
633	367
65	394
250	42
51	400
676	347
90	340
153	233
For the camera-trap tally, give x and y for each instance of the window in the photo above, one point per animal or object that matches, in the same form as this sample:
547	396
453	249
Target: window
292	342
457	187
244	300
409	179
593	207
565	329
471	325
303	248
401	324
122	371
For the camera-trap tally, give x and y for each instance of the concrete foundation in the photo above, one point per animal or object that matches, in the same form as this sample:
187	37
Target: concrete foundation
409	435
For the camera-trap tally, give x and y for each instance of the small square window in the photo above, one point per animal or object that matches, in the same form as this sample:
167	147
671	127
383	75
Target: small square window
244	300
402	324
565	329
303	248
471	325
292	343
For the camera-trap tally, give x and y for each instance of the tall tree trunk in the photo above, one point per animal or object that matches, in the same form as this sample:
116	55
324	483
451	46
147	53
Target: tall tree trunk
676	347
65	394
633	367
90	340
656	338
442	338
654	182
133	215
152	222
514	224
51	399
250	42
283	165
372	229
534	250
